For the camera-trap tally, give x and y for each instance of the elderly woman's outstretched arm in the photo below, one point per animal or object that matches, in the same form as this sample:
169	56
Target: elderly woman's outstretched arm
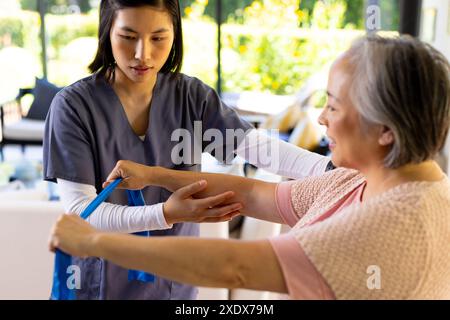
201	262
257	197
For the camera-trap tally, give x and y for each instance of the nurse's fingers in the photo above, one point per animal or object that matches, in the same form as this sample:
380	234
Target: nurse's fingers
123	169
51	246
114	175
191	189
52	241
222	211
122	185
224	218
214	200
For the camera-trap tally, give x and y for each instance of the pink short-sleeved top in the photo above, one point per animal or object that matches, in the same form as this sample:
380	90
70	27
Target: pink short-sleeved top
302	278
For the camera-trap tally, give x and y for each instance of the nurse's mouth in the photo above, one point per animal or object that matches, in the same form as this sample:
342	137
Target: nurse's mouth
140	70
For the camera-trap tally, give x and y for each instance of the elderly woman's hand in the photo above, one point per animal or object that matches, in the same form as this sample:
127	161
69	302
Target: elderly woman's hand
72	235
183	207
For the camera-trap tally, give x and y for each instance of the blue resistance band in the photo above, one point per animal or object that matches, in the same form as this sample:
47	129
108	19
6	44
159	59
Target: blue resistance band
61	289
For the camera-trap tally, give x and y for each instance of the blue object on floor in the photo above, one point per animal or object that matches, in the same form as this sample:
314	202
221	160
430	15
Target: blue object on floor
61	289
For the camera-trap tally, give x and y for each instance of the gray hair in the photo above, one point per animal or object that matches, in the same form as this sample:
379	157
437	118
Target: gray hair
403	84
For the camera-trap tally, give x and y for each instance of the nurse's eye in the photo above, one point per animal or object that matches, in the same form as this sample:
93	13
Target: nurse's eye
127	37
157	39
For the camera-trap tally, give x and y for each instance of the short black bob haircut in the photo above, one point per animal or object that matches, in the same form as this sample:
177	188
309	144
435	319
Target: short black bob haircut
104	59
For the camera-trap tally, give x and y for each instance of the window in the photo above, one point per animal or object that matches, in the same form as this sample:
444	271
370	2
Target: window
200	40
275	46
20	49
71	28
266	46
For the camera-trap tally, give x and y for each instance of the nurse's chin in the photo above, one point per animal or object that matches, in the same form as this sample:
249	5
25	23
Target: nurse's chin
140	79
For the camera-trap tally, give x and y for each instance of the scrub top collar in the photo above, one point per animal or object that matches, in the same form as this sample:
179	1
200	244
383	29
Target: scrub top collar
116	102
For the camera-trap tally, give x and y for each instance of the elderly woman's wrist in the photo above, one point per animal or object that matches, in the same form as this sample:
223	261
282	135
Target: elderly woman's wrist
152	176
157	176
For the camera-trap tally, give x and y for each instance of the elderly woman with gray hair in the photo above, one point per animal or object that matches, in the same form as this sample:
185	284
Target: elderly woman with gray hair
377	227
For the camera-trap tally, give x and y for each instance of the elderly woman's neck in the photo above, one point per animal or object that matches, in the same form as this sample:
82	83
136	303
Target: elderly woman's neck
380	179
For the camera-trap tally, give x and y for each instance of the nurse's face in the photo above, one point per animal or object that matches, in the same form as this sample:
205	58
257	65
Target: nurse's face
141	40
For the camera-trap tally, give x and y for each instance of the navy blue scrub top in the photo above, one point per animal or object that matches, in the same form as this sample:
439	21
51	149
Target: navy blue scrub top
87	132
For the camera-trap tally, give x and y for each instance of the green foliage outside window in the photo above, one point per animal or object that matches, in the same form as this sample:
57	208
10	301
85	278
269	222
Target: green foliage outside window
267	45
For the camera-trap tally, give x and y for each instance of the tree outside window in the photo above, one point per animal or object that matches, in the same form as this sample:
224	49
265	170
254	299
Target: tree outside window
267	45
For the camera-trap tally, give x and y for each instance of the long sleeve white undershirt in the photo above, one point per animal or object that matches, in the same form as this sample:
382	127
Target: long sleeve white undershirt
292	162
75	197
285	159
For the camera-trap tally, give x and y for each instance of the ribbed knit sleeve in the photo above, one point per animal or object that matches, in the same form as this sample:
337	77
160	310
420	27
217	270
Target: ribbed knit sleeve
301	277
393	246
315	195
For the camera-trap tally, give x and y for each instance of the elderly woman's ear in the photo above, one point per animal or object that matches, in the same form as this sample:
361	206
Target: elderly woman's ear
386	136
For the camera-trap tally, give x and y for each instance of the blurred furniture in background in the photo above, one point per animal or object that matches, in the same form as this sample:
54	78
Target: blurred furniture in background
256	107
26	271
265	108
26	127
297	122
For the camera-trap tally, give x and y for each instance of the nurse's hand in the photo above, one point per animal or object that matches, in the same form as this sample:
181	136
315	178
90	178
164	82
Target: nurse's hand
135	176
182	207
72	235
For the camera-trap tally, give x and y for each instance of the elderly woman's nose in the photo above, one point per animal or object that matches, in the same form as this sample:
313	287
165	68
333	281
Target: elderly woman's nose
322	118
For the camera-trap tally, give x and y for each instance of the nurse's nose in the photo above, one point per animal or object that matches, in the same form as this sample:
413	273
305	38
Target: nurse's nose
143	51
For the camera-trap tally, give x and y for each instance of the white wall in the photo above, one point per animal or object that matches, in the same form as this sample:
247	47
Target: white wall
440	42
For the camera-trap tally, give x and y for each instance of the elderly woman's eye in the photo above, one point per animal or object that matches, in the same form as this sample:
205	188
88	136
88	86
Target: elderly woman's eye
330	108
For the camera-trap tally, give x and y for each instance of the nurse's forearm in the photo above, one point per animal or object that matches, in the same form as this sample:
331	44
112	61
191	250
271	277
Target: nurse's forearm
200	262
75	197
289	160
256	196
